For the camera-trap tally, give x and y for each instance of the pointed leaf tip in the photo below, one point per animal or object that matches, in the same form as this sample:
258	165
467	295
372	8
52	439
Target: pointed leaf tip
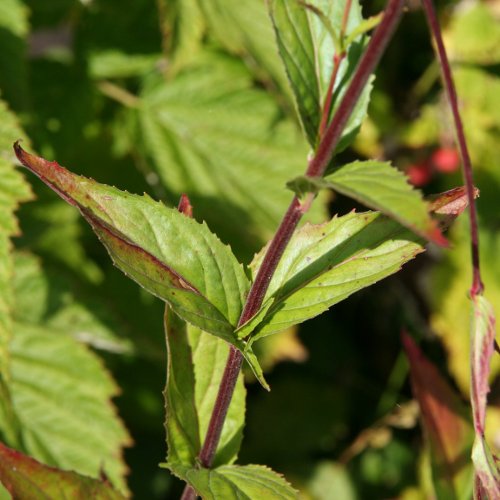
50	172
437	237
451	202
172	256
185	206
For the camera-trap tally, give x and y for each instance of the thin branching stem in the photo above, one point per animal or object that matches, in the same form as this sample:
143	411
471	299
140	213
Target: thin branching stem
430	13
316	167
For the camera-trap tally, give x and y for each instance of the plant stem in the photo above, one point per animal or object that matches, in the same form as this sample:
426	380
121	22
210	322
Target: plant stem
119	94
271	259
323	156
369	60
219	412
430	12
316	167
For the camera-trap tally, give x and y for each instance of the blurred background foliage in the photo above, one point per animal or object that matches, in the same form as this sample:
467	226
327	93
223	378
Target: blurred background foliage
175	96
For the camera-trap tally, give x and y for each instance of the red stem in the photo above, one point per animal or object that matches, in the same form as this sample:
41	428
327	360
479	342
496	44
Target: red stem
430	12
273	255
316	167
337	59
221	406
369	60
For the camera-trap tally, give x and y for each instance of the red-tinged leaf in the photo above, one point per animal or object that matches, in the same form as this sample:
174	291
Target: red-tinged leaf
25	478
185	206
483	342
483	346
451	202
168	253
446	424
380	186
487	475
171	255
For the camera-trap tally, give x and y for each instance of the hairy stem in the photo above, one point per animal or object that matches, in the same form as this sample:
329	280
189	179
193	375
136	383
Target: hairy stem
316	167
430	12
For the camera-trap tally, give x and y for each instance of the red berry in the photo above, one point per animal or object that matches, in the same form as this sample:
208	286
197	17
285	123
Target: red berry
446	160
419	173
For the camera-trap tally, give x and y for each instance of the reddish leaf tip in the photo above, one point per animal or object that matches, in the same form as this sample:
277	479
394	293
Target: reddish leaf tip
19	151
50	172
185	206
437	237
409	345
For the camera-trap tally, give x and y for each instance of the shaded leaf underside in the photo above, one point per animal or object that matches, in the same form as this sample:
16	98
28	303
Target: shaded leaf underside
13	190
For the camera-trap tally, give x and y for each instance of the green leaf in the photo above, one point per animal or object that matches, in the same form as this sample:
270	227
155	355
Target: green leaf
210	133
331	481
362	28
115	64
45	297
474	35
380	186
303	184
487	483
308	50
446	423
482	349
60	390
13	190
244	29
479	90
196	362
237	482
26	478
52	229
169	254
183	26
450	305
324	264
